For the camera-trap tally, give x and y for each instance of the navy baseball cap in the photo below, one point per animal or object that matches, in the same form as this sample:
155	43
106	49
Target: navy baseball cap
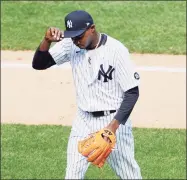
76	23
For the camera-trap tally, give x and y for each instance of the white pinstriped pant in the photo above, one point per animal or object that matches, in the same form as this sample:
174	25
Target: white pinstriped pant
121	160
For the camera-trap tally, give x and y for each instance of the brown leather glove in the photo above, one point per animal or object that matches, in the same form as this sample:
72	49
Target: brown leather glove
96	148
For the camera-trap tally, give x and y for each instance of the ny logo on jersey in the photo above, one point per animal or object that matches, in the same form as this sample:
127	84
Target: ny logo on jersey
107	75
69	24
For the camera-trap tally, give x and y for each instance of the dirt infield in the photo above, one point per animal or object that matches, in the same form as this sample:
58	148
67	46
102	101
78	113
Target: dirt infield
162	102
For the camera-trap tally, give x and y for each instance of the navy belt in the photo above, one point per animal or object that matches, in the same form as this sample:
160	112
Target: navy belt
102	113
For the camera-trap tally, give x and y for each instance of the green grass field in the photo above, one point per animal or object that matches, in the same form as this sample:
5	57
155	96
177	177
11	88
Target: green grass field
39	152
144	27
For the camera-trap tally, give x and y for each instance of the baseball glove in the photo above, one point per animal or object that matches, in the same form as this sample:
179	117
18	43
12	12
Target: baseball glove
96	148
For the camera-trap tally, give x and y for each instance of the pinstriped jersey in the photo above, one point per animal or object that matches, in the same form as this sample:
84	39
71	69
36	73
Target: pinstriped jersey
101	76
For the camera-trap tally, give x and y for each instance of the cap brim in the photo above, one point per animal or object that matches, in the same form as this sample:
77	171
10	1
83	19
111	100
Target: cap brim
71	34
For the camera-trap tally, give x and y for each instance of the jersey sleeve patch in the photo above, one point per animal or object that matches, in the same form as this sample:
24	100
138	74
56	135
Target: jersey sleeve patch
136	76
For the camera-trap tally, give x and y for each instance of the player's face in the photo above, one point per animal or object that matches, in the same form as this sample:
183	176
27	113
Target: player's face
84	40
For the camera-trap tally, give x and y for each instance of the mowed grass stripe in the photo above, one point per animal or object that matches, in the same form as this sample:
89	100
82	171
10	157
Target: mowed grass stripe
144	27
39	152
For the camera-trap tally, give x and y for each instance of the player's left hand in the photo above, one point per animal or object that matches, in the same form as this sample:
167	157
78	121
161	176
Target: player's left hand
98	146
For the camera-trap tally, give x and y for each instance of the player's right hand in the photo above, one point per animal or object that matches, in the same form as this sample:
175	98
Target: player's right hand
54	34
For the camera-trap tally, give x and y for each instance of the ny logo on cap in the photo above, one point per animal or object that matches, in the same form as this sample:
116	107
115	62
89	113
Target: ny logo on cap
69	24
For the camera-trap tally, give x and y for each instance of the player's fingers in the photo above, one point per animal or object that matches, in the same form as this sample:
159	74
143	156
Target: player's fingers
58	33
104	159
61	35
107	139
95	154
55	34
99	159
88	150
52	31
107	153
101	163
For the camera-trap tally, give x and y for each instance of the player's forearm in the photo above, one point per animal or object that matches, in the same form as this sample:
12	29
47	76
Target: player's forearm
130	99
127	105
45	45
125	109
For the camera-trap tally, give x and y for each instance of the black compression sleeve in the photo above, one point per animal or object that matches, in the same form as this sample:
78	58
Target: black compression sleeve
131	96
42	60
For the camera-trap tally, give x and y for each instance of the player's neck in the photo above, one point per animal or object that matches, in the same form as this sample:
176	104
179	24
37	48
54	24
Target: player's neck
95	42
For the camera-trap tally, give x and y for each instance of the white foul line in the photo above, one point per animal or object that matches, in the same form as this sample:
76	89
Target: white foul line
67	66
161	69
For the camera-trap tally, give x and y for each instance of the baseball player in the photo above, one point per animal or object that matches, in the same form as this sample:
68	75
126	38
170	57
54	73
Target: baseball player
106	86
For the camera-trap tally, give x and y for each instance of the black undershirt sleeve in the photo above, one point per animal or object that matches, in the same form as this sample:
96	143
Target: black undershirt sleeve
42	60
127	105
